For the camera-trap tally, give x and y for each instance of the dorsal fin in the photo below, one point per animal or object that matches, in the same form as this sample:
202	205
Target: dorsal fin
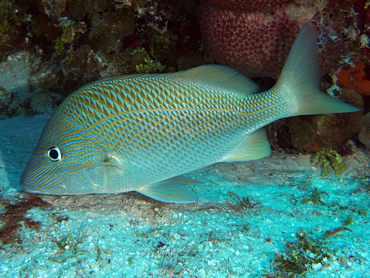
215	76
127	76
219	77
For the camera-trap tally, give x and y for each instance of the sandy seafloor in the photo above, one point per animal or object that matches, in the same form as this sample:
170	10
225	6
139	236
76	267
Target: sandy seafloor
128	235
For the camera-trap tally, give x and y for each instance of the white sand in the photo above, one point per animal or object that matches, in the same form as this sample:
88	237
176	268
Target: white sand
128	235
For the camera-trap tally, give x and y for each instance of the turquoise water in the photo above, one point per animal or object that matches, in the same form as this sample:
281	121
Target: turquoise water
268	218
129	235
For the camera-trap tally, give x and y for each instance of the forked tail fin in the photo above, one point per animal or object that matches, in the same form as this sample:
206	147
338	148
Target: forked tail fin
300	78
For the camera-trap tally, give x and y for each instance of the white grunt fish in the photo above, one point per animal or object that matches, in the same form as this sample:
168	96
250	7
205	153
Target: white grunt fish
141	132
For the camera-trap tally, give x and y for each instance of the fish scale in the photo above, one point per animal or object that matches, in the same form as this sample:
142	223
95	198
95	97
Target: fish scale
161	130
142	132
161	138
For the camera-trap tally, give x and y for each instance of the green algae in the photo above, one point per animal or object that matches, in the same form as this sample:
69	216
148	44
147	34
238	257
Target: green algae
365	183
10	15
330	160
301	256
315	198
148	64
242	203
66	36
68	242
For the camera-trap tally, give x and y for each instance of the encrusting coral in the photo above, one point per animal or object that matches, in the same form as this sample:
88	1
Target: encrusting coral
255	37
354	78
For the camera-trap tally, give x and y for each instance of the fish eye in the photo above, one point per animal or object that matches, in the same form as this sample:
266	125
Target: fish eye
54	154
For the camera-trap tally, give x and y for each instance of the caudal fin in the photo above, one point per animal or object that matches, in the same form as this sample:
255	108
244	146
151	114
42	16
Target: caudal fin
300	78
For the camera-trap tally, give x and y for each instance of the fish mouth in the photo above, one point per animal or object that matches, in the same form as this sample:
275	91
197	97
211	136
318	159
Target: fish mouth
32	190
27	188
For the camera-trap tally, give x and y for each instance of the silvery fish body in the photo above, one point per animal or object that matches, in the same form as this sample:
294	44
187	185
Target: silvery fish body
141	132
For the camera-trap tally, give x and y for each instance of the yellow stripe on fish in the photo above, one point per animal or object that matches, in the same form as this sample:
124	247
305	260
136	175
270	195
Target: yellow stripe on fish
141	132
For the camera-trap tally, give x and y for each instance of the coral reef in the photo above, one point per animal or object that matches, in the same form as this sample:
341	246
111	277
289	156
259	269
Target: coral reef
364	134
354	77
12	25
88	40
311	133
361	8
109	28
255	37
301	133
334	130
76	42
146	64
29	85
251	6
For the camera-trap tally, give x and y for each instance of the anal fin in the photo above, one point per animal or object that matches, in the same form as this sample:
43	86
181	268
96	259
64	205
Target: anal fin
256	146
169	191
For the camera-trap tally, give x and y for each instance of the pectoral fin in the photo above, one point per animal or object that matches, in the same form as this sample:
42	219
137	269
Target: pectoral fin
170	191
113	159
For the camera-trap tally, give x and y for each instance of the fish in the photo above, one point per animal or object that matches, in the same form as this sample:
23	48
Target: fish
143	132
